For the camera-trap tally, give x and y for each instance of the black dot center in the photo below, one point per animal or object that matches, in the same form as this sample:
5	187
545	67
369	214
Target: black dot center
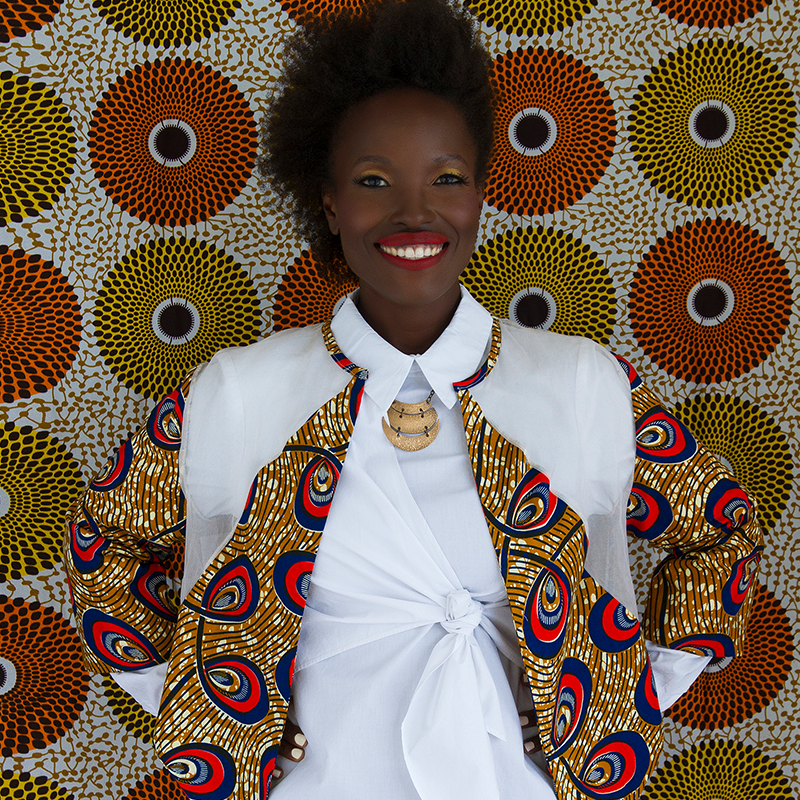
711	124
175	321
710	301
532	310
532	131
172	143
3	676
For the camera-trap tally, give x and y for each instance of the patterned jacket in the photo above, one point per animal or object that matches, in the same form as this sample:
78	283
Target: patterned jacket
231	643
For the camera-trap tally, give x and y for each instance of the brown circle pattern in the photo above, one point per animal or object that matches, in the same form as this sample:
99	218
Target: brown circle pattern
544	278
43	684
732	690
40	324
135	719
750	441
168	306
20	17
719	770
166	23
24	786
309	11
39	481
305	298
711	13
172	142
710	301
712	123
530	17
555	131
159	785
38	148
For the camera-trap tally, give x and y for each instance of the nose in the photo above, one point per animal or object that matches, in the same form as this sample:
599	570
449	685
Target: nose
413	208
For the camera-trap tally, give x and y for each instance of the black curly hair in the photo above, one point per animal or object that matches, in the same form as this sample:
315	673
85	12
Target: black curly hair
330	67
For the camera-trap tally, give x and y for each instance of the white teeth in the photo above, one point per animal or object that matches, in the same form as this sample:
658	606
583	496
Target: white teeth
414	252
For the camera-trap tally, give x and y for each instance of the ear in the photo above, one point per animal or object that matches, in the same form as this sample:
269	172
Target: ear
329	207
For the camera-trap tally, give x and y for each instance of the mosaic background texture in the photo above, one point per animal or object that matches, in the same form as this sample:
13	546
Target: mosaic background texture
644	194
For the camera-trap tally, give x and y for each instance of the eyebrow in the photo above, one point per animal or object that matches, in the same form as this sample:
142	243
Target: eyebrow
443	159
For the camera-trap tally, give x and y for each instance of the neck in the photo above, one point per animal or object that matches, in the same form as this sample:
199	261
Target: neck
411	329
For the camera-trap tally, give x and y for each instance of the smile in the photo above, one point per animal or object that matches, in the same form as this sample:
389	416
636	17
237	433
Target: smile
413	252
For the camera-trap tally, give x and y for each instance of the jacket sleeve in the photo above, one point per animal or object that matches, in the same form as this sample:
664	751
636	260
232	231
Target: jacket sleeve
123	542
685	502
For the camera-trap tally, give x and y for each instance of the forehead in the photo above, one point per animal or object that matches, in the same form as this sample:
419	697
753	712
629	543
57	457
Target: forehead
402	124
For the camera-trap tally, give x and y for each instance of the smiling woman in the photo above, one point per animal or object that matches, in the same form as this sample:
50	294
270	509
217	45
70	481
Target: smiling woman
439	496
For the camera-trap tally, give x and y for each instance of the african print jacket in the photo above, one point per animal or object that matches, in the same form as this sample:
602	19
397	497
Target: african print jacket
231	643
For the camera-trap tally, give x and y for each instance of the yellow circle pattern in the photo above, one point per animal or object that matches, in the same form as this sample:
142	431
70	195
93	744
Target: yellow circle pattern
37	148
530	17
712	71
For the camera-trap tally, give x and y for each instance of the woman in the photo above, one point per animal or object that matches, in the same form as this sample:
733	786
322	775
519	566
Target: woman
471	478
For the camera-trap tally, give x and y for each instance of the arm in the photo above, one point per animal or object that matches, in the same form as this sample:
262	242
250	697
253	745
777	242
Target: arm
119	541
685	502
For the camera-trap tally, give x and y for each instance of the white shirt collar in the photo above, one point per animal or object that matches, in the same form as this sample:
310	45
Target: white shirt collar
454	356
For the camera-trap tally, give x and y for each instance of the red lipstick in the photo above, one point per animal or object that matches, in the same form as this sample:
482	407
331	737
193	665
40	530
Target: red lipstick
412	239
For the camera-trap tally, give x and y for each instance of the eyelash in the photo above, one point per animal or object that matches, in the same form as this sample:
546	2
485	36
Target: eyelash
459	179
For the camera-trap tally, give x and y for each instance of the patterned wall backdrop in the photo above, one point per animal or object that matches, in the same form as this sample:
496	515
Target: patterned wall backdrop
644	194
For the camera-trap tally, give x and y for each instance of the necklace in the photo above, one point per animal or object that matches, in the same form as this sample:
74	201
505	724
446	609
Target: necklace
411	426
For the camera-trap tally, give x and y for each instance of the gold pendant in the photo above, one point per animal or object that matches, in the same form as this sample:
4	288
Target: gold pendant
411	426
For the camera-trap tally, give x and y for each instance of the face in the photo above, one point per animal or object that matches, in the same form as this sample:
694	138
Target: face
404	200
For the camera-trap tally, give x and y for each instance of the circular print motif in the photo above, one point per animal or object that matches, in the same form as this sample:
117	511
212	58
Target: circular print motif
734	689
748	441
710	301
172	141
24	786
39	481
158	785
719	770
544	278
168	306
712	123
135	719
310	11
305	298
43	684
711	13
40	321
20	17
530	17
554	132
38	152
165	24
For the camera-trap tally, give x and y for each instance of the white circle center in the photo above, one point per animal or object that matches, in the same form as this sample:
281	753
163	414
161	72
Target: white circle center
5	502
175	304
339	303
534	291
521	147
8	676
721	108
728	302
164	127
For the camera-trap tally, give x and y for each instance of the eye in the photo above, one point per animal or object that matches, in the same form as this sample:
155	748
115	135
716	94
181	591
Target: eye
372	181
451	179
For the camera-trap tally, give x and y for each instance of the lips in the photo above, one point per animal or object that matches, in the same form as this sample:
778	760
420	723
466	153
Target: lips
413	251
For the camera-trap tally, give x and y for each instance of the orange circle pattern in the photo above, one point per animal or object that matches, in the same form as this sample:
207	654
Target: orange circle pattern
307	11
159	785
208	139
710	250
305	298
40	324
135	719
711	13
727	694
20	17
579	107
45	684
